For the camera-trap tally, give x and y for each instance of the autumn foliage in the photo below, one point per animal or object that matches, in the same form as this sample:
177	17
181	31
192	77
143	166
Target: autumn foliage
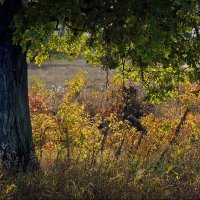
80	160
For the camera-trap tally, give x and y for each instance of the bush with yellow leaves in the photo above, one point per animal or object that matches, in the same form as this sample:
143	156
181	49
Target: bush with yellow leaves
82	159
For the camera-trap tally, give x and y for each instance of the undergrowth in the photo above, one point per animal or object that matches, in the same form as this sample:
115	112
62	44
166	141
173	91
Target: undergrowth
88	149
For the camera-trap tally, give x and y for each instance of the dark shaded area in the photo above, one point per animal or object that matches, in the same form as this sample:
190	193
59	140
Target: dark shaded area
15	127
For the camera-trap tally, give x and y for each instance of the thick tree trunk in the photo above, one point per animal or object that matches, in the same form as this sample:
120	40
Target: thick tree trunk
16	146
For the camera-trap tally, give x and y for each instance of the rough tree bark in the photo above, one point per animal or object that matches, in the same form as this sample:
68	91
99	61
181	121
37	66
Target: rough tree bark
16	146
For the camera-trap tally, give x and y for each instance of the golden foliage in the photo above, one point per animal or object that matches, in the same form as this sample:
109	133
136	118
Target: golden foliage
80	160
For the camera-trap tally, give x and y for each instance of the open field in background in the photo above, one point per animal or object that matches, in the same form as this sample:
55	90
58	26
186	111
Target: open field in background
58	72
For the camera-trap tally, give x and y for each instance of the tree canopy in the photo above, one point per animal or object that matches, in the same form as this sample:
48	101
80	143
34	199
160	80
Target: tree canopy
155	42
